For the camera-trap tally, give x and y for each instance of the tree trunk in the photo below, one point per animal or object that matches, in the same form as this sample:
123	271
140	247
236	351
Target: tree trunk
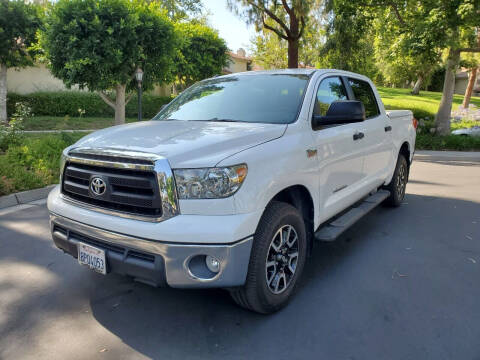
3	93
418	85
471	83
293	53
442	119
120	104
293	42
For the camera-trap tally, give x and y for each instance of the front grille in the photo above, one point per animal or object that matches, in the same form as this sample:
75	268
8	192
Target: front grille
127	190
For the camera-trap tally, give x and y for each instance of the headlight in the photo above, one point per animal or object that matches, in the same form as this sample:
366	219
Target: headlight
63	160
209	183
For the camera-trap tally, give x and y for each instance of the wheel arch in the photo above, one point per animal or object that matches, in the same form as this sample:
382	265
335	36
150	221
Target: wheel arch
405	151
300	197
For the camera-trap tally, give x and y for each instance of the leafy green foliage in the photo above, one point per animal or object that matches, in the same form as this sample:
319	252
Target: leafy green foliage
287	19
11	133
19	22
270	51
180	9
449	142
70	123
349	39
64	103
99	43
33	164
202	53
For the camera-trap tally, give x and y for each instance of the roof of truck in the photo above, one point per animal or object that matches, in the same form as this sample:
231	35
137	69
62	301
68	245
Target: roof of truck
300	71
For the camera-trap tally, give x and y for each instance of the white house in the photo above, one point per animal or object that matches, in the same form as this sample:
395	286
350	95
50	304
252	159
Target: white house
39	78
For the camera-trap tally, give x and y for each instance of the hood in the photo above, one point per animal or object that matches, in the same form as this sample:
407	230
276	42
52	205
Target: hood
184	143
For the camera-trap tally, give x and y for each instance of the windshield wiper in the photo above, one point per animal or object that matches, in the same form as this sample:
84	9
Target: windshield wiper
223	120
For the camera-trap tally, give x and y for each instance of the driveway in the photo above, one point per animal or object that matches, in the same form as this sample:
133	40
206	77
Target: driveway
401	284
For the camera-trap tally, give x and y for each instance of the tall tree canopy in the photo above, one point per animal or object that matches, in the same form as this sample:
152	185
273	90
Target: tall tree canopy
98	44
349	38
201	54
180	9
416	32
287	19
19	23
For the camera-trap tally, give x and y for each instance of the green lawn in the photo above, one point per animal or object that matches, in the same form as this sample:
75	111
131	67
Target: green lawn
423	105
69	123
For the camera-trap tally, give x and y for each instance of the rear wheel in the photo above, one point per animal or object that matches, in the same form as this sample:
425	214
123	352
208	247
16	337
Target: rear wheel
398	183
276	261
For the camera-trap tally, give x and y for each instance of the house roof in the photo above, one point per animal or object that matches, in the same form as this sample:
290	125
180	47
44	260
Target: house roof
236	56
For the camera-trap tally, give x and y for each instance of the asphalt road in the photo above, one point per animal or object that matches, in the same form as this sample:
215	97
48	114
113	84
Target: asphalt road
401	284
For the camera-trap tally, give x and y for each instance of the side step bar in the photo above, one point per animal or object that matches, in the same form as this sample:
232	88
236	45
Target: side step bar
334	229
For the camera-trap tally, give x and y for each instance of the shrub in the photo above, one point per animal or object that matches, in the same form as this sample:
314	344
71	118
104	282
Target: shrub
62	103
33	164
450	142
11	134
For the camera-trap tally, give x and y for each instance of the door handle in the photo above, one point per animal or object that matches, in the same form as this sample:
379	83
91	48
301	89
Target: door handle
358	136
388	128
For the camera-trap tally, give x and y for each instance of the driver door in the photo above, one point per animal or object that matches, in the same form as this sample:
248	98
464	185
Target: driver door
340	155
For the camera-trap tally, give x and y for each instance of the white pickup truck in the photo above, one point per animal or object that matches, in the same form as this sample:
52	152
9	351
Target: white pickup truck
233	182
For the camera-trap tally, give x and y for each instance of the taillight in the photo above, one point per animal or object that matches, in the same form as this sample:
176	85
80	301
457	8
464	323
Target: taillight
415	123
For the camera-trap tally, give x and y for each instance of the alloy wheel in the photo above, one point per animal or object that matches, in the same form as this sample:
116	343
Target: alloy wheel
282	258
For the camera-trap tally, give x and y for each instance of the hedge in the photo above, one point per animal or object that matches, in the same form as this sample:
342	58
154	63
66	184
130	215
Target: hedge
449	142
63	103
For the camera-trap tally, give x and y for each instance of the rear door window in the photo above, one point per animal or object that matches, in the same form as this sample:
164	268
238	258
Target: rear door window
363	92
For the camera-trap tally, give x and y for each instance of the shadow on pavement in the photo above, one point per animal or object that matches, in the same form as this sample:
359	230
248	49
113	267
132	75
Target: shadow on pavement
387	289
402	283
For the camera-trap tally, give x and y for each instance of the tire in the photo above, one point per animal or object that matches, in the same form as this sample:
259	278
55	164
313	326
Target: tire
270	281
398	183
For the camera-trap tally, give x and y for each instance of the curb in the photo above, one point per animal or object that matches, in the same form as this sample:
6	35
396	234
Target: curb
25	197
428	155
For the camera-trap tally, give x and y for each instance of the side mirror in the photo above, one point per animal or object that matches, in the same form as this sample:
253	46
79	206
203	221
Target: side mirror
341	112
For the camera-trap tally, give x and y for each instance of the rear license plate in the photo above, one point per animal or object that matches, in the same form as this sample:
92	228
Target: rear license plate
93	257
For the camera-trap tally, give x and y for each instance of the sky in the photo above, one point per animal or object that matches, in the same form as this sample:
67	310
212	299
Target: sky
230	27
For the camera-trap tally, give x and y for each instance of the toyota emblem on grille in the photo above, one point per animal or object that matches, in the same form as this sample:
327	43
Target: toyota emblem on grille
98	186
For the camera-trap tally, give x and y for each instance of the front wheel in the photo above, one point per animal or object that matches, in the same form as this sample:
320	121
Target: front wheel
398	183
276	261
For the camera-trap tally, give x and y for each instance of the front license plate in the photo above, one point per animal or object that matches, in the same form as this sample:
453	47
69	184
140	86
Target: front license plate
93	257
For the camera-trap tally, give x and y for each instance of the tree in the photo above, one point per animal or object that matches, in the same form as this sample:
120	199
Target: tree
401	57
98	45
179	9
201	54
461	33
349	39
472	79
270	52
19	23
435	24
287	19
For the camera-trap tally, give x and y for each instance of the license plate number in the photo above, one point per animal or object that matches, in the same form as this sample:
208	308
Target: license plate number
92	257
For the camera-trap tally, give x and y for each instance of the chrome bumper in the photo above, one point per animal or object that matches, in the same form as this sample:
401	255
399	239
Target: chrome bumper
154	262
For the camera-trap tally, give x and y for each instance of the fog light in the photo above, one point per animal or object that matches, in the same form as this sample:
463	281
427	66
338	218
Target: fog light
212	264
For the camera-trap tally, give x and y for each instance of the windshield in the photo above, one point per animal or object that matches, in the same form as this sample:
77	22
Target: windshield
273	98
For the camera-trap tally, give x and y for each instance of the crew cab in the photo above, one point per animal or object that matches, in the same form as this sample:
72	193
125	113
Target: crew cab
232	183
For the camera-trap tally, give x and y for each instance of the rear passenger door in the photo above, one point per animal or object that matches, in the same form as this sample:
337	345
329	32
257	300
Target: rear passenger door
340	156
377	128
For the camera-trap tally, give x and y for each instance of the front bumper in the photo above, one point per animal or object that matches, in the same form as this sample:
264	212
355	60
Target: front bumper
154	262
